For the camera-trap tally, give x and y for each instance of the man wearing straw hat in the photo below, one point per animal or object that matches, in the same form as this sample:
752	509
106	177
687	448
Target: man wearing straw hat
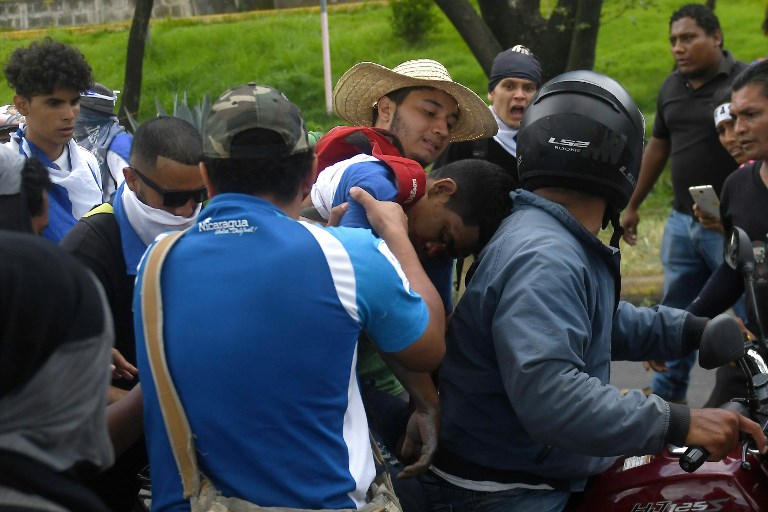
403	120
414	110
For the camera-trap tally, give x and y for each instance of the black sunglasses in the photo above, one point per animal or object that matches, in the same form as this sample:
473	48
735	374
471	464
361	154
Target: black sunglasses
173	198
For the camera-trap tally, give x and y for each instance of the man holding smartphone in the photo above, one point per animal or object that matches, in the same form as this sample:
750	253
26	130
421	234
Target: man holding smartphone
683	134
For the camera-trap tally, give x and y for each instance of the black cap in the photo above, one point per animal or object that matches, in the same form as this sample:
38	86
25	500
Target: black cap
515	62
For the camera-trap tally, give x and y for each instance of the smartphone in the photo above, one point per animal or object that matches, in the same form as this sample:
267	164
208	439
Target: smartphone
705	197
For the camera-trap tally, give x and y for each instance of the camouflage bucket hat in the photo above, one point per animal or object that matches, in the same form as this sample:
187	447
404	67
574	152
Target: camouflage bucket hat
248	107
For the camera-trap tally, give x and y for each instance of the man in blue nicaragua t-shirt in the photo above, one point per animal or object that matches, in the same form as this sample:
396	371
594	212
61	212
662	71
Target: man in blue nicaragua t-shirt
264	360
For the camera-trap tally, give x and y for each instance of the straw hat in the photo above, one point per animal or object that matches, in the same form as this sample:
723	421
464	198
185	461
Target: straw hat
360	88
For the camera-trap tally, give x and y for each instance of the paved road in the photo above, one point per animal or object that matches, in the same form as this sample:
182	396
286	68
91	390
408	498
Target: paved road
632	375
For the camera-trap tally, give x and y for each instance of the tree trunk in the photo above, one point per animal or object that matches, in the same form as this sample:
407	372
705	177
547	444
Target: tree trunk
475	32
513	21
134	61
565	40
584	40
553	43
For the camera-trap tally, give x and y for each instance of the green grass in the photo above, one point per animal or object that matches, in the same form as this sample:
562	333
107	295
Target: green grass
282	48
204	56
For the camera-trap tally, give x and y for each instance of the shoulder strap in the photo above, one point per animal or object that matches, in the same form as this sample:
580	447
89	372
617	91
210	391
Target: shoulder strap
102	208
176	424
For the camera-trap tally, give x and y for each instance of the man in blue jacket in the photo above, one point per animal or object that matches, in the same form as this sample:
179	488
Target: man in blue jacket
525	380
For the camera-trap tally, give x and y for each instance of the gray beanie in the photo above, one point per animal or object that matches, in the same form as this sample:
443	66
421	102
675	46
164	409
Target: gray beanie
99	98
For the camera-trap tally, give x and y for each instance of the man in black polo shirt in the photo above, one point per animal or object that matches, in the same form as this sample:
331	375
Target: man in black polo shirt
684	135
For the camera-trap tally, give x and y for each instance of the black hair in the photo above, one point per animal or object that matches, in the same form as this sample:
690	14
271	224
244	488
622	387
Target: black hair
398	97
45	65
756	73
482	194
34	180
702	15
169	137
274	174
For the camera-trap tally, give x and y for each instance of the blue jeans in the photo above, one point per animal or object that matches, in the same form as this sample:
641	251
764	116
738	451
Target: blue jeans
689	255
446	497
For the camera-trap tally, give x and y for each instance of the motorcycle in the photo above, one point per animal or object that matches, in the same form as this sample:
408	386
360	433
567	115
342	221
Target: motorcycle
679	479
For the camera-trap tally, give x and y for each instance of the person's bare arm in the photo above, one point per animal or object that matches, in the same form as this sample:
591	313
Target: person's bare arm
114	394
389	221
421	434
654	159
337	212
125	420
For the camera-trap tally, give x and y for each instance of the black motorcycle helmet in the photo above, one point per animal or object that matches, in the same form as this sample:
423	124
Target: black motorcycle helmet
582	131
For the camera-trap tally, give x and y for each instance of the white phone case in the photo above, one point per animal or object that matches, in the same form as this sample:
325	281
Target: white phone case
705	197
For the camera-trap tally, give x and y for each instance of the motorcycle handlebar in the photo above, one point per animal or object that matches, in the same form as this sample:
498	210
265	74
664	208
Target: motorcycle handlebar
693	458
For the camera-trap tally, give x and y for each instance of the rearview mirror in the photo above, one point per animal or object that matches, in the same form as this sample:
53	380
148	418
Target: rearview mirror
738	251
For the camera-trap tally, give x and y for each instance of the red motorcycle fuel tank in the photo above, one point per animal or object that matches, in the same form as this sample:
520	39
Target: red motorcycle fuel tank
656	483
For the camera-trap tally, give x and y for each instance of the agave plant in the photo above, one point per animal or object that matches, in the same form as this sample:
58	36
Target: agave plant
195	116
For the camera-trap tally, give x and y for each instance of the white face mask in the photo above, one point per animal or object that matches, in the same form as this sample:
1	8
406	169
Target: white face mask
149	222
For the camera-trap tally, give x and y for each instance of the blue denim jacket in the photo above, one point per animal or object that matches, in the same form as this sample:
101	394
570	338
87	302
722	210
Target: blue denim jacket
524	387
